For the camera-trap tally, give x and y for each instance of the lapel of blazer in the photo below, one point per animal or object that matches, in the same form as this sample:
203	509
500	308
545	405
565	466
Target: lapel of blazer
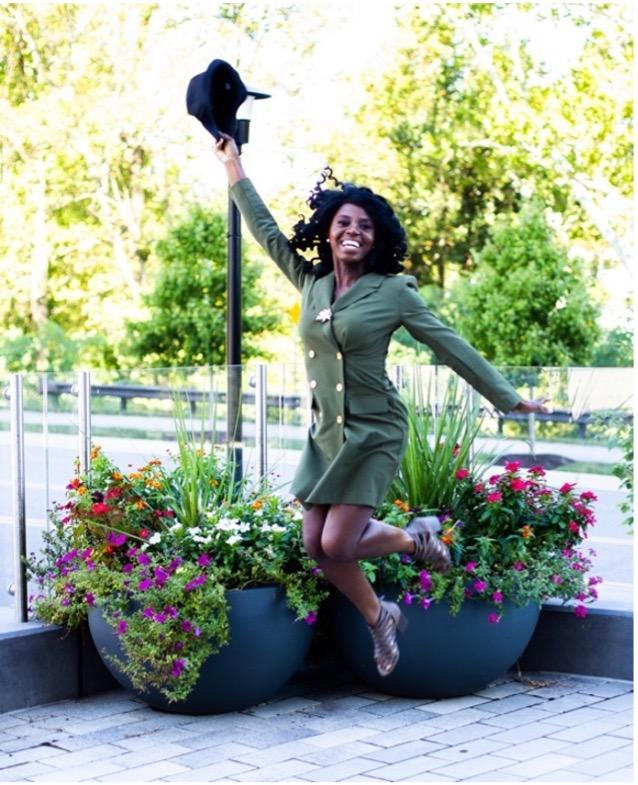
367	284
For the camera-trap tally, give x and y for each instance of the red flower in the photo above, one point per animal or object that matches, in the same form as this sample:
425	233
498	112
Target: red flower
587	496
113	493
479	487
143	533
512	466
99	508
461	474
574	527
516	484
496	496
537	470
567	487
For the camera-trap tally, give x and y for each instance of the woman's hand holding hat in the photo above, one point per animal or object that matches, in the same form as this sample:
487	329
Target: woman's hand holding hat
532	407
228	153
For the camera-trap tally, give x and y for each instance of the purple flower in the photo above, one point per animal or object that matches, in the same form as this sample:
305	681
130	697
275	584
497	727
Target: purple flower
479	586
127	568
425	603
186	626
195	583
90	598
406	558
494	618
593	593
316	571
171	610
581	596
145	584
497	597
425	580
556	579
122	627
519	566
178	667
470	566
407	598
142	558
115	538
160	618
148	613
580	611
311	618
161	576
203	560
175	563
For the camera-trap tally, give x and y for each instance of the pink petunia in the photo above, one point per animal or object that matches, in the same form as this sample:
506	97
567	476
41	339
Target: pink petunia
493	480
567	487
99	508
311	618
517	484
573	527
580	611
494	497
494	618
461	474
425	580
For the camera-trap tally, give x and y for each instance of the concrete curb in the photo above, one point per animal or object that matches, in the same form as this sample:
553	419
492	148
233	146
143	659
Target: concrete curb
41	664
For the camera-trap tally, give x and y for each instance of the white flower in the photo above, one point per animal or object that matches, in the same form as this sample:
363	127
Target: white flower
228	524
277	528
155	538
233	539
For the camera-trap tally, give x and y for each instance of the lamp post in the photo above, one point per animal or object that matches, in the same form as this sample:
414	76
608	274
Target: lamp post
233	300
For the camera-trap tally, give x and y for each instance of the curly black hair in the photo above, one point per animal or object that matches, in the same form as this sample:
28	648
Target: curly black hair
312	234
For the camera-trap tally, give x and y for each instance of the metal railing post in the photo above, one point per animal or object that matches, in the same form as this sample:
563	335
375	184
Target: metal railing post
16	411
84	420
261	426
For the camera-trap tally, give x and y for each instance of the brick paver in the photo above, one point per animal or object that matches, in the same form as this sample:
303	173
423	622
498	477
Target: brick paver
531	727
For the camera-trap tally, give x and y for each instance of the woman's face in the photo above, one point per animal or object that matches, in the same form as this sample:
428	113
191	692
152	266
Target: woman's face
351	235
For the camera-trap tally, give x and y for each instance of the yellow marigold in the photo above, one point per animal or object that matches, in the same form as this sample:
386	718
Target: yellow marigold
82	490
155	462
135	476
257	505
214	483
447	538
95	451
527	532
116	476
153	483
404	506
140	504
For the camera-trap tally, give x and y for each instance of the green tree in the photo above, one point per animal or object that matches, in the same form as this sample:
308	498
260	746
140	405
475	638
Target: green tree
468	121
527	304
187	304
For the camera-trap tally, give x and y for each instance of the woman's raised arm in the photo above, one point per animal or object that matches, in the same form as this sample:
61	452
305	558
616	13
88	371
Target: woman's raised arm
228	153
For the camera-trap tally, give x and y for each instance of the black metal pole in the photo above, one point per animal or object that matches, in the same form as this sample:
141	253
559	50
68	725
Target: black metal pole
233	328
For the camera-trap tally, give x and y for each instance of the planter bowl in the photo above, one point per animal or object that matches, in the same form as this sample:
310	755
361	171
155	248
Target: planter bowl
441	656
266	647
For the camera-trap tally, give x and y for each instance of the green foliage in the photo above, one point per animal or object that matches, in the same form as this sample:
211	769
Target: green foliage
528	302
119	543
441	435
615	348
512	539
187	304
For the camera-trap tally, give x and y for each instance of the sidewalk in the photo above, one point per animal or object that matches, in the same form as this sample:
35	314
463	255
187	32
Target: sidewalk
541	727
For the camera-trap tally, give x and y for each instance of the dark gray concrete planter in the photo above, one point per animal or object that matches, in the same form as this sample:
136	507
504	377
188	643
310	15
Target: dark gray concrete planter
441	655
265	649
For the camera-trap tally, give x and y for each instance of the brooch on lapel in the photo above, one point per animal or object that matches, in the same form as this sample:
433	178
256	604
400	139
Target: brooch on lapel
325	315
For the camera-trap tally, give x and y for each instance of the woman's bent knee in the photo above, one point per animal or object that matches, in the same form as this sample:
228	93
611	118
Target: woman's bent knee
337	549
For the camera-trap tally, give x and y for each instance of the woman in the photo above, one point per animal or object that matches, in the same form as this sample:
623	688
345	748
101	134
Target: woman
352	302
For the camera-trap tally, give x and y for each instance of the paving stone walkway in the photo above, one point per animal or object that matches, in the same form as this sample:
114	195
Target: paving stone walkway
530	726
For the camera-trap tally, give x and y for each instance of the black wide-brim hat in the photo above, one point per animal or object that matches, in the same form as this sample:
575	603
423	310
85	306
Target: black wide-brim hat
214	98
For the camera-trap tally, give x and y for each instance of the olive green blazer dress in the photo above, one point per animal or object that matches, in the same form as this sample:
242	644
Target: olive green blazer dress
359	433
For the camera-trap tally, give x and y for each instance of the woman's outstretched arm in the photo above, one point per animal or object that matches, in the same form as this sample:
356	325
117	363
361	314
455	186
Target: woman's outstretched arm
228	153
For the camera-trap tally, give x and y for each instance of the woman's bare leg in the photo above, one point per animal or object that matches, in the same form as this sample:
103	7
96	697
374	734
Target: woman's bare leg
338	536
